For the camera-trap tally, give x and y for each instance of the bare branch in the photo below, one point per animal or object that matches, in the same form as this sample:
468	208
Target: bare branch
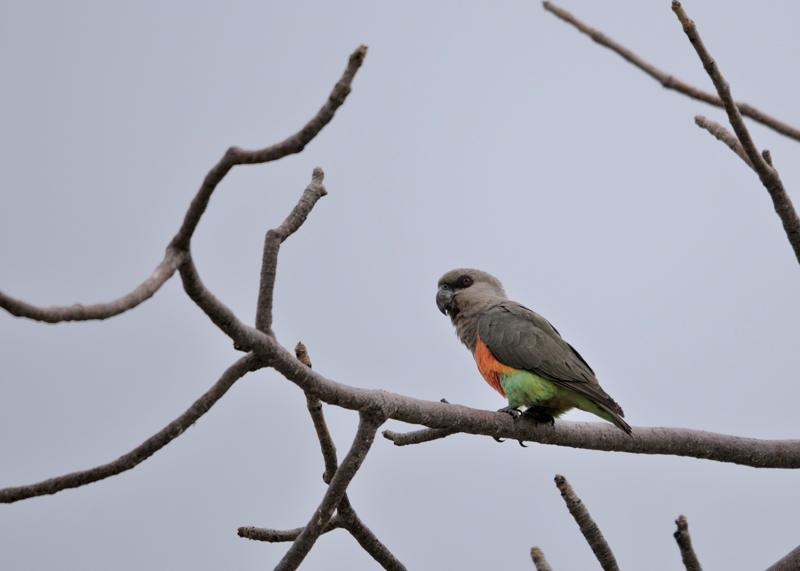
722	134
667	80
418	436
181	241
314	405
365	435
539	561
791	562
769	176
684	540
588	527
80	312
346	514
272	244
293	144
145	449
281	535
366	539
244	337
753	452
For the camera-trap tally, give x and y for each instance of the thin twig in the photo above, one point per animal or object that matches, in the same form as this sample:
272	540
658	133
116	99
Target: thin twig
79	312
539	561
145	449
282	535
272	245
346	514
768	175
722	134
180	242
365	435
684	540
291	145
594	537
418	436
668	81
791	562
368	540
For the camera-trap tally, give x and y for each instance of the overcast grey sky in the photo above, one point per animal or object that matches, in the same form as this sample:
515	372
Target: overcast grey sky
482	134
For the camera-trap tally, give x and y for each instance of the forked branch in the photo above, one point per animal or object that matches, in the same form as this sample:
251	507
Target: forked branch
365	435
766	172
669	81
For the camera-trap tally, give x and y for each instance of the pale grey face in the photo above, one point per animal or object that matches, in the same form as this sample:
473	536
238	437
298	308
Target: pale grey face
462	288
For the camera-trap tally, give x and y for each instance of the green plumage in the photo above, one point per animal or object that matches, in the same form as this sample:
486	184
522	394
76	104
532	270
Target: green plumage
526	389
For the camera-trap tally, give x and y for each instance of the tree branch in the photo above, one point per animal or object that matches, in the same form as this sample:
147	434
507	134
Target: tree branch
753	452
272	244
80	312
722	134
365	435
684	540
588	527
181	241
294	144
145	449
281	535
539	561
366	539
347	516
668	81
791	562
768	175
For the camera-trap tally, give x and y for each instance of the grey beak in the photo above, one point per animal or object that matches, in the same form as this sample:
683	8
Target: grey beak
444	299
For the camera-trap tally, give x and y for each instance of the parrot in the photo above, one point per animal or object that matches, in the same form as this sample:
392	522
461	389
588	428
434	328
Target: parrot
519	353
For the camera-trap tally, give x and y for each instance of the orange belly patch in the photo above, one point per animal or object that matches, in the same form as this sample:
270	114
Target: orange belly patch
490	367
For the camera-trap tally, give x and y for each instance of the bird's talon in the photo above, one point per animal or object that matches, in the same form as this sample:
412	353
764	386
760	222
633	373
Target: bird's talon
510	410
521	443
445	401
498	439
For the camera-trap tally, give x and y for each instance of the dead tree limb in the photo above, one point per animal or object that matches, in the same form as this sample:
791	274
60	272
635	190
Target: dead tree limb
766	173
723	135
539	561
365	435
669	81
79	312
684	541
283	535
791	562
180	244
145	449
594	537
272	244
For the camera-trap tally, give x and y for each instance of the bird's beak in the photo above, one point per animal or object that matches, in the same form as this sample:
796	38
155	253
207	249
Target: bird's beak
444	299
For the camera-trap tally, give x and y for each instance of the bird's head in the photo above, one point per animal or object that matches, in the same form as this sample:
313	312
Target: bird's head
463	289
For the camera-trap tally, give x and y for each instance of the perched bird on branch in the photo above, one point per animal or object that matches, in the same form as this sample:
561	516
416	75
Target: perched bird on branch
519	353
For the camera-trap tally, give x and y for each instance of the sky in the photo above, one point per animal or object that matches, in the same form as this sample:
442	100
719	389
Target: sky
489	135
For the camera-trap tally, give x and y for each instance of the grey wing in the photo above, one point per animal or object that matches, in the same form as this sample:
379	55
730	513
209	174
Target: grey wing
523	339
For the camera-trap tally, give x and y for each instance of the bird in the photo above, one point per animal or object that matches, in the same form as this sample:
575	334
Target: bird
519	352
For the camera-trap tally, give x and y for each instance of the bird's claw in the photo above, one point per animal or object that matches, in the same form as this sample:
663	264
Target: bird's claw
498	439
521	443
510	410
444	401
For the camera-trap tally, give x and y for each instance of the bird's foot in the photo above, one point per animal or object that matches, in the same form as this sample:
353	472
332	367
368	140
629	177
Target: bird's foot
510	410
539	415
444	401
498	439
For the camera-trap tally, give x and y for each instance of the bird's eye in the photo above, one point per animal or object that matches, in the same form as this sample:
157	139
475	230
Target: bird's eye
465	281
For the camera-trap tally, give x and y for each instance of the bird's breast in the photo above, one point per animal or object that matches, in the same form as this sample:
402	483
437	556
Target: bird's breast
490	368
